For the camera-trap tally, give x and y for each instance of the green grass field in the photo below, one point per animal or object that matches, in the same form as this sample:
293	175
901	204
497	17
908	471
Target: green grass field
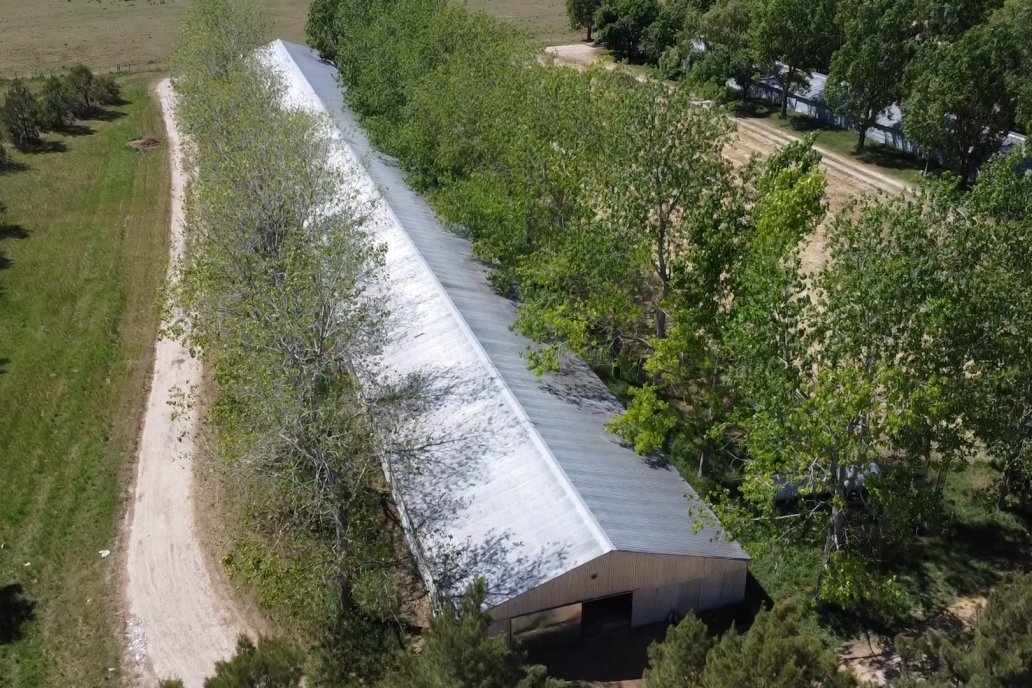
83	254
542	20
44	36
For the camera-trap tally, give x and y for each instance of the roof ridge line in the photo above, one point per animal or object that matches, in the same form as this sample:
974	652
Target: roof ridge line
601	537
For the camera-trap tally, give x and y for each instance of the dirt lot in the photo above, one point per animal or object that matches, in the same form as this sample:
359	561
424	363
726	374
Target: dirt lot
43	36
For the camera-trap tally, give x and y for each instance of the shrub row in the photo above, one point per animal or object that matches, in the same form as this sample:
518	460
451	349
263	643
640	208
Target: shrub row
77	95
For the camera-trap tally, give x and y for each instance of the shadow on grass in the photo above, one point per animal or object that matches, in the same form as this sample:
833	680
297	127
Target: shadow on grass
883	156
10	232
107	115
12	166
48	147
967	559
15	612
751	109
77	129
13	232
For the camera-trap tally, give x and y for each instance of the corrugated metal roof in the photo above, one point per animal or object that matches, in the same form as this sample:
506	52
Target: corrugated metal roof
534	475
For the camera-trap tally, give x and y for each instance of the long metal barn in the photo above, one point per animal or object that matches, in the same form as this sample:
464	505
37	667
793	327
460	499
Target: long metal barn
519	481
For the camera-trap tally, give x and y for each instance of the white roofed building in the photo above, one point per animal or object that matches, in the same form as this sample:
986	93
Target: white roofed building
573	532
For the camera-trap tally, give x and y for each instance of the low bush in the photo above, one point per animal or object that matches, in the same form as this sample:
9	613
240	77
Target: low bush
55	108
272	663
21	116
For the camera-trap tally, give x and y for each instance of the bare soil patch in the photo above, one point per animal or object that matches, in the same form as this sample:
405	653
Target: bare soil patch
877	662
145	144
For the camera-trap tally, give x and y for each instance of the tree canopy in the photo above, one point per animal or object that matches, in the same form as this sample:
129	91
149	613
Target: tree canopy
959	102
582	14
20	116
621	24
867	72
773	652
791	38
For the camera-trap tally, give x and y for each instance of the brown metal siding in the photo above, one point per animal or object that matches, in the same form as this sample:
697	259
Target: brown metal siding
664	582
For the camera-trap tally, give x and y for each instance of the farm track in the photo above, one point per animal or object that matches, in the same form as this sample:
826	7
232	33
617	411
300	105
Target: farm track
181	617
845	179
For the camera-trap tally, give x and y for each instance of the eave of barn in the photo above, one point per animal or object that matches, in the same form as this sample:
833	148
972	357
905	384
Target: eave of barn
538	488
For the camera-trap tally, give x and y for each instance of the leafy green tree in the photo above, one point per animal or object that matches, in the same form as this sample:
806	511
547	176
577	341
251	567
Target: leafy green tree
80	91
20	116
582	14
55	111
822	395
320	29
106	90
674	20
457	652
272	663
960	103
992	298
648	421
948	20
599	290
621	24
725	29
674	176
791	38
1015	18
867	71
214	36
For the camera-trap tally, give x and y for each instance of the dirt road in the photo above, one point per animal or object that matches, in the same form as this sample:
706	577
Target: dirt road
845	178
180	621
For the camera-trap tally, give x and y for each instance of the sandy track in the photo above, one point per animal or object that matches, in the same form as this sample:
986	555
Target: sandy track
180	622
845	178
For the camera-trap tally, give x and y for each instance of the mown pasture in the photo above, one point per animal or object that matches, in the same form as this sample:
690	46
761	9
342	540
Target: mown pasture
82	256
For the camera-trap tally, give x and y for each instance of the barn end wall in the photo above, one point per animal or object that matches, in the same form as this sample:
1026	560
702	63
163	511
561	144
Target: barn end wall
660	583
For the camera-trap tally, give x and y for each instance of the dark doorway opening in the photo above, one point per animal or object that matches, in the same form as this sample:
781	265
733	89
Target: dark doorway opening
605	615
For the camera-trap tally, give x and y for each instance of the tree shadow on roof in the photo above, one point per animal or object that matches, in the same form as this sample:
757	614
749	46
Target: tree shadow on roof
443	462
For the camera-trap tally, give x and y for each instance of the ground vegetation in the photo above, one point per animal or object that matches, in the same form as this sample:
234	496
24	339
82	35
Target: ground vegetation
83	244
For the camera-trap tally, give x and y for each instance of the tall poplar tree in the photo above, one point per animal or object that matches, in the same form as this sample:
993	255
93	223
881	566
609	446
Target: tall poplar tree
791	38
867	71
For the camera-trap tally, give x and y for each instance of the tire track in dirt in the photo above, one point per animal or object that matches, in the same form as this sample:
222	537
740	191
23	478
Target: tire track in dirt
845	178
181	619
